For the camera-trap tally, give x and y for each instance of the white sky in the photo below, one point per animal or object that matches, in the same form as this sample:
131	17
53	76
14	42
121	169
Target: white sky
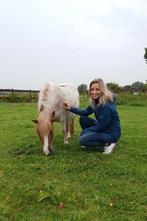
72	41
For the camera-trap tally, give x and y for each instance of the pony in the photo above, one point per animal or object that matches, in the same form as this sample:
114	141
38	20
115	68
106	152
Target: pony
50	109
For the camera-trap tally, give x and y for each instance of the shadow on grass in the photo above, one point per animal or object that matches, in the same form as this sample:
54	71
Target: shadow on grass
27	150
93	149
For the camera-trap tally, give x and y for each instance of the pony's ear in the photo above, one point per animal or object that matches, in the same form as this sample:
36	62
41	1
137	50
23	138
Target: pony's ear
35	121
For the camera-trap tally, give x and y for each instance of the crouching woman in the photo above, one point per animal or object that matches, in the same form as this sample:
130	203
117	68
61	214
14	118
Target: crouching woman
105	128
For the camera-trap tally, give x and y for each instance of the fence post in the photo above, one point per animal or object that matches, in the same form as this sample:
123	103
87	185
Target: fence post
12	95
30	95
12	92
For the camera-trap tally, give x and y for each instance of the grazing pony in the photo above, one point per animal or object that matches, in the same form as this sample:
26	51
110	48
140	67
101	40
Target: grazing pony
50	108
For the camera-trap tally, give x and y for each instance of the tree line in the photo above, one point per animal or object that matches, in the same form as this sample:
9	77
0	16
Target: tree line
136	87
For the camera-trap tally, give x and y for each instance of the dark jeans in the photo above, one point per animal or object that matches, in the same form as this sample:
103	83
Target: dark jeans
93	139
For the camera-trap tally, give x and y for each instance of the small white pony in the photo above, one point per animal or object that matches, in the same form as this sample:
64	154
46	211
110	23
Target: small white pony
50	108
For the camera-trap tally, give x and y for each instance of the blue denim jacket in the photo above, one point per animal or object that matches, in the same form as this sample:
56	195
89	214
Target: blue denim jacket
107	118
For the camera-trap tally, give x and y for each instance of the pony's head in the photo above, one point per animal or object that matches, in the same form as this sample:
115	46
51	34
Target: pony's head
45	130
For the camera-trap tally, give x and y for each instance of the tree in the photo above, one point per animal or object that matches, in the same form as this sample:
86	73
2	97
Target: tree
82	88
145	88
137	86
114	87
127	88
145	55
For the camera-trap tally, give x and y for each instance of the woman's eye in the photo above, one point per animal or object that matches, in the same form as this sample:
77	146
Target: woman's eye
95	90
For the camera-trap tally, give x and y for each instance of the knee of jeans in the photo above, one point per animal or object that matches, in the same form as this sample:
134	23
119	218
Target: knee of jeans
81	141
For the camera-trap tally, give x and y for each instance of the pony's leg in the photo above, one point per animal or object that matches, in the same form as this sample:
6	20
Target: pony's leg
72	127
68	130
64	130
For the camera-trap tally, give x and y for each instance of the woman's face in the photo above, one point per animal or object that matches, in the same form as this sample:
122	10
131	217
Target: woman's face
95	91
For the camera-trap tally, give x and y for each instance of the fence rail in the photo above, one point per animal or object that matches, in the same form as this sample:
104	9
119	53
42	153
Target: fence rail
17	95
17	90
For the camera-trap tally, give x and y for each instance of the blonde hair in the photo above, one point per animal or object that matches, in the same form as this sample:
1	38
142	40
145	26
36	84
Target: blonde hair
105	95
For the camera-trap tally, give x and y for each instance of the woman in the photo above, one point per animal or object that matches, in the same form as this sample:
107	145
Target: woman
105	129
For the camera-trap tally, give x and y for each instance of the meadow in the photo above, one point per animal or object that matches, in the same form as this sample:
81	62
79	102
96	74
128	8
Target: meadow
72	184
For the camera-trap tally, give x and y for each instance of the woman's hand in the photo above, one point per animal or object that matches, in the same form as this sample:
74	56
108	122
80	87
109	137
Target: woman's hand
66	106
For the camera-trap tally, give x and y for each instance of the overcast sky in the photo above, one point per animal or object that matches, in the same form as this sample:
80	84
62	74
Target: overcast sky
72	41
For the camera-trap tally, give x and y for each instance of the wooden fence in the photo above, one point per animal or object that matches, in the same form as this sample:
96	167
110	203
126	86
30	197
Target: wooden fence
15	95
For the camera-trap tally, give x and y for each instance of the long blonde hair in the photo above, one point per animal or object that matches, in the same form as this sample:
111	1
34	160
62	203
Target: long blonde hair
106	95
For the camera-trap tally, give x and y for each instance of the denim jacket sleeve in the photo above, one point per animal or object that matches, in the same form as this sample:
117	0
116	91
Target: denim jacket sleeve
103	119
82	112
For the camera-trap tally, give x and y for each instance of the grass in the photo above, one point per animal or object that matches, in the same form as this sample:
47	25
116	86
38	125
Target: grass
132	99
72	184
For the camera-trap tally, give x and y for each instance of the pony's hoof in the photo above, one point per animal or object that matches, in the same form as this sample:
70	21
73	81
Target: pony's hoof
46	152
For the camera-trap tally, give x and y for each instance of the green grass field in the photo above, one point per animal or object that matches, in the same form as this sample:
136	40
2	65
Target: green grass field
71	184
